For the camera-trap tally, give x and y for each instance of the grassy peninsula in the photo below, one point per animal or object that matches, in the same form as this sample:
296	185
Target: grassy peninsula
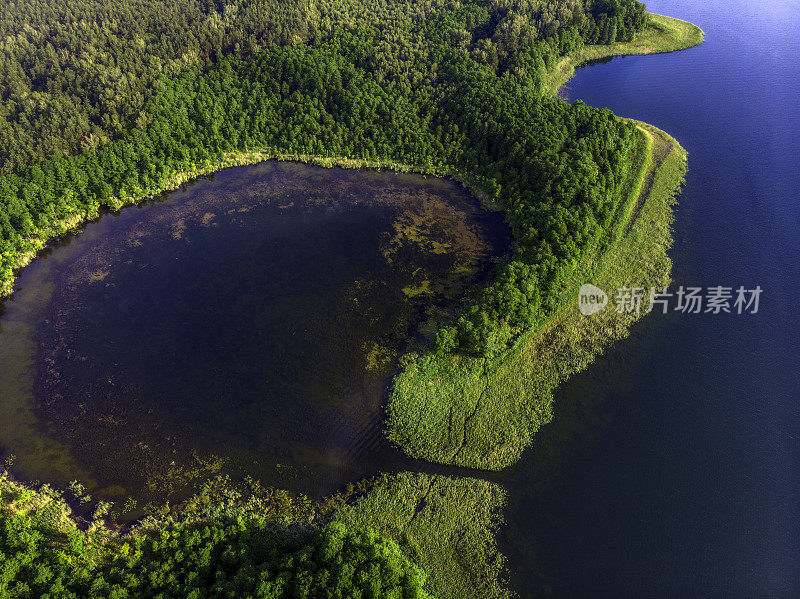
482	413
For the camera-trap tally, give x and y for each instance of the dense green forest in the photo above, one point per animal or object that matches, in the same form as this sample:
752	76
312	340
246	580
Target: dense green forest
243	558
73	74
457	89
105	102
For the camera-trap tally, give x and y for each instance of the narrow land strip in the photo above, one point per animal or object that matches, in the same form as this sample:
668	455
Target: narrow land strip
517	387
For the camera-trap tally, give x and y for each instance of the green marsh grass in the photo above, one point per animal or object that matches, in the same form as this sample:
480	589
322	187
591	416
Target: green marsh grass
482	414
445	524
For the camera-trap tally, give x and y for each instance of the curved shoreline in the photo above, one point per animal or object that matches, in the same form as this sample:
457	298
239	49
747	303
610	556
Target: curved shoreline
74	224
663	35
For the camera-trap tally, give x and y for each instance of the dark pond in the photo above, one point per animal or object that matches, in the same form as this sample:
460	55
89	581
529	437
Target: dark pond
672	468
248	324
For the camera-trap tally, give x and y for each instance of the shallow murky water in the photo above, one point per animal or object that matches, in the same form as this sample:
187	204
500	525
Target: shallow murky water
249	324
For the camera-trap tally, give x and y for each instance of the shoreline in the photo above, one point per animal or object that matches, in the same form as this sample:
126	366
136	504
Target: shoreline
75	223
663	35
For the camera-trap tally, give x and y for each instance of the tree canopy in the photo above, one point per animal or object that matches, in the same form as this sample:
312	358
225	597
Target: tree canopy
244	559
453	87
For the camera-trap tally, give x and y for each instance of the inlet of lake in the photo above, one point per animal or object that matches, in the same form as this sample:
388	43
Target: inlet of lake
257	317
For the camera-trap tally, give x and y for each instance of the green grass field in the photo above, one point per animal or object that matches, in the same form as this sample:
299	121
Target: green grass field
663	34
482	414
445	524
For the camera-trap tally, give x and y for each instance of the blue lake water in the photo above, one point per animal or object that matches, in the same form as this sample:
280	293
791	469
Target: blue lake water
672	467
